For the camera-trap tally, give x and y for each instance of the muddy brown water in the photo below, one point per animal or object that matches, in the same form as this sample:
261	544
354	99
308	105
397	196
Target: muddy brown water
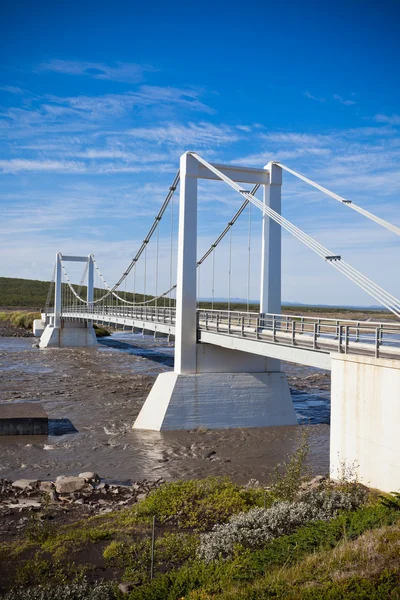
92	397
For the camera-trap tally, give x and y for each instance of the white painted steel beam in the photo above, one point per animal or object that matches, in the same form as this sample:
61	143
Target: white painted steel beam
74	258
57	291
239	174
186	289
90	281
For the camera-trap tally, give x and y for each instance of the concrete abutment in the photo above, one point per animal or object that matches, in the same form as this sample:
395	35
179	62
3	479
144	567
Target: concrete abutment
70	334
365	417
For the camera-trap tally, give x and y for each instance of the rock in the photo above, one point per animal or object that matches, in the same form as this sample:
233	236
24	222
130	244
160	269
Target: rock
46	486
127	586
24	484
69	485
316	481
90	476
141	496
209	454
313	483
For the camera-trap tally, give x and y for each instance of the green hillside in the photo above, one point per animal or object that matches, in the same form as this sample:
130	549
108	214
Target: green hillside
23	292
31	293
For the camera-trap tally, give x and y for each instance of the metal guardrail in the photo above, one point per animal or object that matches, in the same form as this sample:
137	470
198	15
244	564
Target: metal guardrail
152	314
312	333
318	334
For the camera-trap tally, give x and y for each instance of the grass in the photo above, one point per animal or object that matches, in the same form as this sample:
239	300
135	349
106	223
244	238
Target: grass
354	555
23	319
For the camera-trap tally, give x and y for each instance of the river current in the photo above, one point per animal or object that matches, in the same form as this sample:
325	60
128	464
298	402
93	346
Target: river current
92	397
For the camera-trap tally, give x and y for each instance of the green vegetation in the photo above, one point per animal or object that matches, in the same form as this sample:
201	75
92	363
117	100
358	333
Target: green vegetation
330	541
22	319
33	294
100	331
348	556
198	504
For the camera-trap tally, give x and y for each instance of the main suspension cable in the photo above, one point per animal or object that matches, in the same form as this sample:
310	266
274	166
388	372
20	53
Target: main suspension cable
385	298
342	200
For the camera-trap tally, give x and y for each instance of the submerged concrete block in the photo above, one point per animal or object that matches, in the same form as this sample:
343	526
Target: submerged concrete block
217	401
25	418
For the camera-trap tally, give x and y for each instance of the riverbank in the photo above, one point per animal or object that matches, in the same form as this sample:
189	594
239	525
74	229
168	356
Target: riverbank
213	539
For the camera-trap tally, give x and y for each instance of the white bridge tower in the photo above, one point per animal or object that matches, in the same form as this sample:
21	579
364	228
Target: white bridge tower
211	386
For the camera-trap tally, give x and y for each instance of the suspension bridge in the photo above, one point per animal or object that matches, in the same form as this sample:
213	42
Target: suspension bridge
227	362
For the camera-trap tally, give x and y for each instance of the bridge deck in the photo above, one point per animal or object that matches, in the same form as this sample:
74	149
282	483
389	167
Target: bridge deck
304	340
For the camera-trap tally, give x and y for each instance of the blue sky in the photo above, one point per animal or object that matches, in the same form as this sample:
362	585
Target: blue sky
98	101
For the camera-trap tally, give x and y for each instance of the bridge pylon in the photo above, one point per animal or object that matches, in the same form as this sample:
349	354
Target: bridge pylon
212	386
60	333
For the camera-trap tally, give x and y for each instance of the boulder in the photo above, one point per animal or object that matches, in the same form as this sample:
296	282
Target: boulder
46	486
90	476
69	485
24	484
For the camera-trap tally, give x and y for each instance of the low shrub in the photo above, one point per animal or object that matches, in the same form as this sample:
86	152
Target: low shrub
100	331
392	500
82	590
171	551
255	528
211	579
287	477
197	504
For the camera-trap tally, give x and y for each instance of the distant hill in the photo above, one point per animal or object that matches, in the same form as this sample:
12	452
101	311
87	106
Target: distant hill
32	293
23	292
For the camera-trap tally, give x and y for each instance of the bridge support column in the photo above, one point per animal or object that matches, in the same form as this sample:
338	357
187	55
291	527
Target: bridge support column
230	389
216	387
365	417
60	333
271	249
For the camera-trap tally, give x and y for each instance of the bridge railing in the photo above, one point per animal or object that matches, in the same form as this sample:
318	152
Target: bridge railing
141	313
315	333
319	334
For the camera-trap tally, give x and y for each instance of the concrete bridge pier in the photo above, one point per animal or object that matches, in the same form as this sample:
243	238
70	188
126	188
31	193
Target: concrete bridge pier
365	417
215	387
60	333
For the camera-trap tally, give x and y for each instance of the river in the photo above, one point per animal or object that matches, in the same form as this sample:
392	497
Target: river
92	397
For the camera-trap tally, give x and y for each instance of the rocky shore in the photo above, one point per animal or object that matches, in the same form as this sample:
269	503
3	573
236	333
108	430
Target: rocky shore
64	500
7	329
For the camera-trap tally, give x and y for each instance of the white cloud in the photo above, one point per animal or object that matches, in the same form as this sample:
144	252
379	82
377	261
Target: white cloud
389	119
16	165
343	100
200	134
312	97
12	89
124	72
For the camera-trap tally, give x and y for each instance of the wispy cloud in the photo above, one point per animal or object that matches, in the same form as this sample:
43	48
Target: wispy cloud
344	101
12	89
312	97
198	134
389	119
16	165
119	71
